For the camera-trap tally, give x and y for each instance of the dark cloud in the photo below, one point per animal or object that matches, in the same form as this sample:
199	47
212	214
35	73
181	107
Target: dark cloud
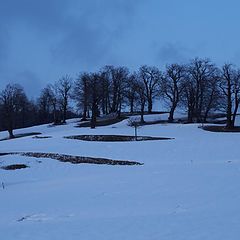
29	80
4	38
59	33
41	40
173	52
42	15
90	34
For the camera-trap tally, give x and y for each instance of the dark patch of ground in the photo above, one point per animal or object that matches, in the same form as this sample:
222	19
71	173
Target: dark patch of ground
14	167
42	137
220	129
145	113
74	159
57	124
21	135
80	159
217	115
115	138
217	121
113	118
214	118
4	154
102	122
154	122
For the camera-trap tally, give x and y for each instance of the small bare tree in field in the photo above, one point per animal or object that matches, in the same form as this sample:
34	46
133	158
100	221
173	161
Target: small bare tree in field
136	124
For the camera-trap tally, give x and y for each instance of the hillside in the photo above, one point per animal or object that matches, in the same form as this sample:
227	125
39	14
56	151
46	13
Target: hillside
187	188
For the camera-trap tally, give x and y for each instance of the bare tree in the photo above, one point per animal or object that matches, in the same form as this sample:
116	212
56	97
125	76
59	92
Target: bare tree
105	86
11	99
130	93
136	124
150	76
122	80
140	90
64	86
53	93
230	86
199	73
114	80
172	86
189	98
212	97
95	97
47	104
81	93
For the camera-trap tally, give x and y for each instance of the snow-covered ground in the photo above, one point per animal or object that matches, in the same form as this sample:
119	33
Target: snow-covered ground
188	188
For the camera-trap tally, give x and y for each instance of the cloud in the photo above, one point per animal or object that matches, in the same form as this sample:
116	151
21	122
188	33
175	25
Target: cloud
51	38
42	15
92	31
60	36
30	82
173	52
4	38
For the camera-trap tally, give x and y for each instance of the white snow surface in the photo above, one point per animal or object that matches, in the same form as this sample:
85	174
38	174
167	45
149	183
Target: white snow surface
187	189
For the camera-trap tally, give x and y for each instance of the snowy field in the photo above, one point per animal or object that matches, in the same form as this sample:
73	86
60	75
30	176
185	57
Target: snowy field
187	189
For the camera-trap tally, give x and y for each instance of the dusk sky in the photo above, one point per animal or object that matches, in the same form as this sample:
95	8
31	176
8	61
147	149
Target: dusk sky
42	40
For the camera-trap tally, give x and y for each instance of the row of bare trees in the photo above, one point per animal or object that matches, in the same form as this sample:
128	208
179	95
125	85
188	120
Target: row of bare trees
113	89
54	101
17	111
199	87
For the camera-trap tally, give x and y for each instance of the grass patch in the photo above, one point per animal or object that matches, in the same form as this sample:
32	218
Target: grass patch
21	135
145	113
102	122
79	159
220	129
115	138
14	167
153	122
113	119
42	137
74	159
4	154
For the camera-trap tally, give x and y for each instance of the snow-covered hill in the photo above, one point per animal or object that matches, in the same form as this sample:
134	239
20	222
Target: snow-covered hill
188	188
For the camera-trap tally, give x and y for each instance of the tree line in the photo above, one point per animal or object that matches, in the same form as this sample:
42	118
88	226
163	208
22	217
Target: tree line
200	87
18	111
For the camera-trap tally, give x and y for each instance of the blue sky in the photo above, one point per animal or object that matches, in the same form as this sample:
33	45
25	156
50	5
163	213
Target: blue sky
42	40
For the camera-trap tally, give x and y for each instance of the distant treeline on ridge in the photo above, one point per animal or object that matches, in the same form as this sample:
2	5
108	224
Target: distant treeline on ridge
199	87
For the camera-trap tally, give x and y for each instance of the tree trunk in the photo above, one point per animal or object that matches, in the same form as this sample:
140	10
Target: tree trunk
103	106
235	111
171	113
84	116
64	114
131	105
120	109
142	112
229	124
54	114
206	115
94	116
135	127
150	105
10	131
190	115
